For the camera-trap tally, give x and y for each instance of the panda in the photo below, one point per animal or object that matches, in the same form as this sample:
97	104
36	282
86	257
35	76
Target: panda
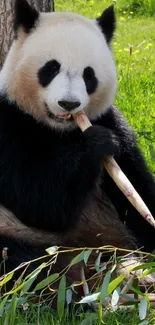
54	189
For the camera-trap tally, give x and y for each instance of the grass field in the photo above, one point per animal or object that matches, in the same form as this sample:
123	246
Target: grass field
47	318
134	50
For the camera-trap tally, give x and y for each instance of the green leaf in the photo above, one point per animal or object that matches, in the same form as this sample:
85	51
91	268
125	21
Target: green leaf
46	282
86	255
147	272
13	309
97	262
27	286
115	283
35	272
2	305
52	250
69	294
137	291
130	299
144	266
61	297
143	308
7	278
11	313
104	287
77	258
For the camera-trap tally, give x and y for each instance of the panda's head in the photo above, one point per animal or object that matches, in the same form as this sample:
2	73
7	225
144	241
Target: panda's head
59	63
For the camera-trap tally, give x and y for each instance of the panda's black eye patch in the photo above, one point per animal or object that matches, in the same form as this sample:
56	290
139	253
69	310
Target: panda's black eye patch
48	72
90	80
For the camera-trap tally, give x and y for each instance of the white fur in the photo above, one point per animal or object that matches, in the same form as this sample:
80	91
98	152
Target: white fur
76	43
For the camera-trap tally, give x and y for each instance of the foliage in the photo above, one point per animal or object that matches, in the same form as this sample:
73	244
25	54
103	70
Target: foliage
111	289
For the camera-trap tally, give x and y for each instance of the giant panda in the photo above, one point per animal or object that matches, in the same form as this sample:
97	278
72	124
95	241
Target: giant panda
54	189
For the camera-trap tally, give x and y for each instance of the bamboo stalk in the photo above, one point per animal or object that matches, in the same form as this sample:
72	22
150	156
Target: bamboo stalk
118	176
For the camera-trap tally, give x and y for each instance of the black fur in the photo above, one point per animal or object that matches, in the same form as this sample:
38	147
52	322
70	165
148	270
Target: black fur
47	178
39	169
48	72
25	16
90	80
107	23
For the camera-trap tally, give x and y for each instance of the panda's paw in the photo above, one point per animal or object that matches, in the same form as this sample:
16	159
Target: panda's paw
102	141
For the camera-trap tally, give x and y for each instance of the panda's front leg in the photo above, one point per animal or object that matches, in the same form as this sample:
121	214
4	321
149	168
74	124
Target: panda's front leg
75	173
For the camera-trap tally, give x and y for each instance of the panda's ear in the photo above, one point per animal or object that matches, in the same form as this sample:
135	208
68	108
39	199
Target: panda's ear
25	16
107	23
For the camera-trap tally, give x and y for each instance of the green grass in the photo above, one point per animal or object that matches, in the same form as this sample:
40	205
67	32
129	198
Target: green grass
49	317
136	75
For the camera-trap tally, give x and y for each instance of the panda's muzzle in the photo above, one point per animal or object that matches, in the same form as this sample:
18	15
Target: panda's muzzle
54	117
69	106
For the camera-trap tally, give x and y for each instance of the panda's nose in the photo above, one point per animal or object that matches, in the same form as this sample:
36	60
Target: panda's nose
68	106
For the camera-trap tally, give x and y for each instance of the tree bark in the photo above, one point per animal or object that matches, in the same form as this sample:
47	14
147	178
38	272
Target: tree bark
6	22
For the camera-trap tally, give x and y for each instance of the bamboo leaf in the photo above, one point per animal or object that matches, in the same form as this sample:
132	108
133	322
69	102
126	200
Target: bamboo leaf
77	258
97	262
90	298
143	308
11	312
130	299
144	266
104	287
2	305
147	272
115	297
86	255
7	278
137	291
46	282
61	297
52	250
35	272
115	283
27	286
69	294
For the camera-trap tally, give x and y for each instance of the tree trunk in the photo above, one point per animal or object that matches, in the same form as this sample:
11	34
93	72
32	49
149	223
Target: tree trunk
6	22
